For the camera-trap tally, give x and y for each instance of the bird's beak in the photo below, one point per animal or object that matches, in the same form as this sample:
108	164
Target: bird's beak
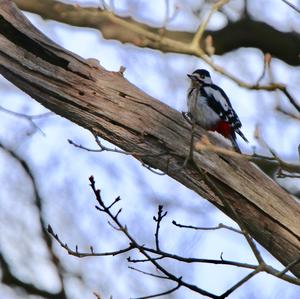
190	76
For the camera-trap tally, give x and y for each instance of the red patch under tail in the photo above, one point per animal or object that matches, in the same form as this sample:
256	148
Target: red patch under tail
224	128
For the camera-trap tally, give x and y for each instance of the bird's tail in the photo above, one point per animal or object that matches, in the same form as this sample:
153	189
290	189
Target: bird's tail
241	134
234	143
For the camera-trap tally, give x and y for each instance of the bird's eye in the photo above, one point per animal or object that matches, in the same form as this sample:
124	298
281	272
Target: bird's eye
202	76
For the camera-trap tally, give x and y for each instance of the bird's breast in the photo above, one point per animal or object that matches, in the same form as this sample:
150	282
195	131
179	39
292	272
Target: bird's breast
200	111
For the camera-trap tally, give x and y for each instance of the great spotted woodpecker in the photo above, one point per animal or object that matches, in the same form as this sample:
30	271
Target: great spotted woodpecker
210	107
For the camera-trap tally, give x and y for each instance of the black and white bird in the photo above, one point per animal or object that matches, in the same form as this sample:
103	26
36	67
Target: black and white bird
209	106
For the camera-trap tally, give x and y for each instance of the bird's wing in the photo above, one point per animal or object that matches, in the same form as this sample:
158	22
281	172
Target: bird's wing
219	102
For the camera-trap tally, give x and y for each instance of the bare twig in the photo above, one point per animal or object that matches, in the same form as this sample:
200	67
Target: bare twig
29	118
287	113
199	33
292	5
220	226
241	282
152	170
289	266
252	244
103	148
148	273
97	295
86	254
204	145
147	252
103	208
261	267
291	98
167	18
281	174
85	148
179	258
282	165
135	261
158	219
160	294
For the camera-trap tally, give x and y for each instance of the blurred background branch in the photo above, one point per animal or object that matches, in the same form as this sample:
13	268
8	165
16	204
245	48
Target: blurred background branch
245	32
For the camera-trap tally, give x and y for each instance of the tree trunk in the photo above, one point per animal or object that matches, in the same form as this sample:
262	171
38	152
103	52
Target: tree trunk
156	134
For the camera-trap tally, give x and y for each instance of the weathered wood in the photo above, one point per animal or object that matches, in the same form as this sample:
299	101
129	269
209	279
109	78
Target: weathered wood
157	134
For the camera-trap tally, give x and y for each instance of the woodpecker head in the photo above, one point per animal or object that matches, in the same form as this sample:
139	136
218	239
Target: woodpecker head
200	77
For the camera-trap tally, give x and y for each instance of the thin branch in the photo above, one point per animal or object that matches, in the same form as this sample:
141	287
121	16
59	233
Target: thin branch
22	115
160	294
287	113
158	219
261	267
291	168
204	145
103	148
123	229
241	282
292	6
199	33
130	260
220	226
252	245
85	254
165	254
161	254
281	174
152	170
291	279
96	295
291	98
84	148
29	118
289	266
168	17
148	273
114	202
